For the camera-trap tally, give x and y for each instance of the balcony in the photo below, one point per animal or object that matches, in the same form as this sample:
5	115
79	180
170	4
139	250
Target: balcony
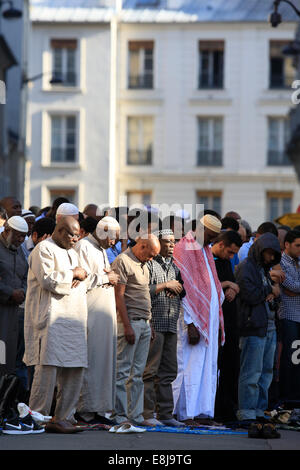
139	157
140	81
209	158
278	158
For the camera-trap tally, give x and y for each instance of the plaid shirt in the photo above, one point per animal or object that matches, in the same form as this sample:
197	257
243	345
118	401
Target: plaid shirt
290	306
165	310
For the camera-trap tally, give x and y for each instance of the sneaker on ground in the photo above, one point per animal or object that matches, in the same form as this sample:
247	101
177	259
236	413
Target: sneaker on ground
13	425
173	423
31	424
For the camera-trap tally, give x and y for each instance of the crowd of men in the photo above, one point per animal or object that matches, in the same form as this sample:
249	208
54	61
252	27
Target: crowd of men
124	316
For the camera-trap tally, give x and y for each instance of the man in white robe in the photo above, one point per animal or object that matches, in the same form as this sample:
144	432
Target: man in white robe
55	326
199	326
98	391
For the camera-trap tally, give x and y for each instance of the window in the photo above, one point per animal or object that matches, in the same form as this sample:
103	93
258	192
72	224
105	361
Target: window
63	138
147	3
211	200
210	141
140	64
282	72
70	194
140	140
211	63
279	135
138	198
278	204
64	57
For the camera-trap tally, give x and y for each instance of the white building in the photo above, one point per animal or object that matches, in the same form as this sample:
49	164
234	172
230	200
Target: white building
170	104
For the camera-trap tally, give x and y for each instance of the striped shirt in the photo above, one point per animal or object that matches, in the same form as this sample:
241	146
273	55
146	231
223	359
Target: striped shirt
165	310
290	306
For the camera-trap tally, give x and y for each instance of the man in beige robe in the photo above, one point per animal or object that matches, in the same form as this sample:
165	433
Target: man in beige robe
55	325
98	392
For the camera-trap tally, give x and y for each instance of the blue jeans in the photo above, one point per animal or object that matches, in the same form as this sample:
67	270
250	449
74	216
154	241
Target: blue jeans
256	372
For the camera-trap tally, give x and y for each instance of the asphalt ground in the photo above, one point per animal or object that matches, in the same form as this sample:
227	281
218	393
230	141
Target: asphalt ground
153	447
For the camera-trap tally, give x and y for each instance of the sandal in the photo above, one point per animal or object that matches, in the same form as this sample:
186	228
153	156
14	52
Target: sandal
270	432
255	431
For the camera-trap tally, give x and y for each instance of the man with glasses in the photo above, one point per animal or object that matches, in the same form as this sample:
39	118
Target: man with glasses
56	325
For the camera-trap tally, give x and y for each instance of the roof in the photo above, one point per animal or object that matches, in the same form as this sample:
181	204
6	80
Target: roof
159	11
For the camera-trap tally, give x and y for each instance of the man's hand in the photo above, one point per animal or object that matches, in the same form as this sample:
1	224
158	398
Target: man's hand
152	333
230	294
79	273
193	334
174	286
290	293
113	277
277	275
276	290
129	334
234	286
270	297
18	296
75	283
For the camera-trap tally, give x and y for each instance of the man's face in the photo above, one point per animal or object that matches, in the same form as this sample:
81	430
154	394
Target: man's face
14	207
268	256
69	236
167	246
147	253
227	252
15	238
293	249
209	236
30	222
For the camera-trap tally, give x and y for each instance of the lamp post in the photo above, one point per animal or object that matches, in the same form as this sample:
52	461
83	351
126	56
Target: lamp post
11	13
275	17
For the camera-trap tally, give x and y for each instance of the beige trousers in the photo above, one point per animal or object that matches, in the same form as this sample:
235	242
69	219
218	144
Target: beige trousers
68	381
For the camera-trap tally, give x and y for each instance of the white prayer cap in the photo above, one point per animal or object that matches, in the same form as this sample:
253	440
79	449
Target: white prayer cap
26	213
66	208
18	223
109	222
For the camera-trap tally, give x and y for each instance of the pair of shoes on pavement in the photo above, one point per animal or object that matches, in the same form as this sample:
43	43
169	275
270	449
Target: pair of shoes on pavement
20	424
97	419
259	430
62	427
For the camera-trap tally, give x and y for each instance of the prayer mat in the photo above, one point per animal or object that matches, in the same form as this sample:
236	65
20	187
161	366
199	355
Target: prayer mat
202	430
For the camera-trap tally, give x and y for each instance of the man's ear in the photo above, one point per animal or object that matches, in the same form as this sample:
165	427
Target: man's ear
34	237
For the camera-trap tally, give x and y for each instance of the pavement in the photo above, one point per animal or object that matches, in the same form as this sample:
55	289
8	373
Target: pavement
154	444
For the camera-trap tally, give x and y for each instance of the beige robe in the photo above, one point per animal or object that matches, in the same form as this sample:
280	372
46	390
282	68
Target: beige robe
55	323
98	392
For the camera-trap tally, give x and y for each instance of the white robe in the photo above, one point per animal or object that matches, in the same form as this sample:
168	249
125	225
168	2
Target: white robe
55	320
194	388
98	391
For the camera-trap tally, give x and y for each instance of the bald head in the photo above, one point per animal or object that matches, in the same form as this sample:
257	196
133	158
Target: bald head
146	248
67	232
11	205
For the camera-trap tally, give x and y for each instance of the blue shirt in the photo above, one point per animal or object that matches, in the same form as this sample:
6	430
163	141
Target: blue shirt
290	306
243	251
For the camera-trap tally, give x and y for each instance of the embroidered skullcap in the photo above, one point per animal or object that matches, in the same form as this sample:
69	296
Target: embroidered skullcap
109	222
166	232
211	222
18	223
66	208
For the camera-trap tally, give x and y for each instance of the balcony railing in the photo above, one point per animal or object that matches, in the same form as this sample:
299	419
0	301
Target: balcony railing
281	81
139	157
278	158
209	158
207	81
64	79
140	81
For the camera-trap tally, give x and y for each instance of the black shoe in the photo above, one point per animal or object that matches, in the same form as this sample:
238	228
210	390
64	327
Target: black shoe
13	425
30	423
270	432
256	430
104	420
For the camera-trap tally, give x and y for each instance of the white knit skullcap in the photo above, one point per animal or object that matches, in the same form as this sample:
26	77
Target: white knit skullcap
18	223
109	222
26	213
66	208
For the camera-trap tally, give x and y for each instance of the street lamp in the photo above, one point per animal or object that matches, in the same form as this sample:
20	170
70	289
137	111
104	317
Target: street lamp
275	17
11	13
54	80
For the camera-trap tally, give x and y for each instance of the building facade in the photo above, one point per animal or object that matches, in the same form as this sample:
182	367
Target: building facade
162	103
